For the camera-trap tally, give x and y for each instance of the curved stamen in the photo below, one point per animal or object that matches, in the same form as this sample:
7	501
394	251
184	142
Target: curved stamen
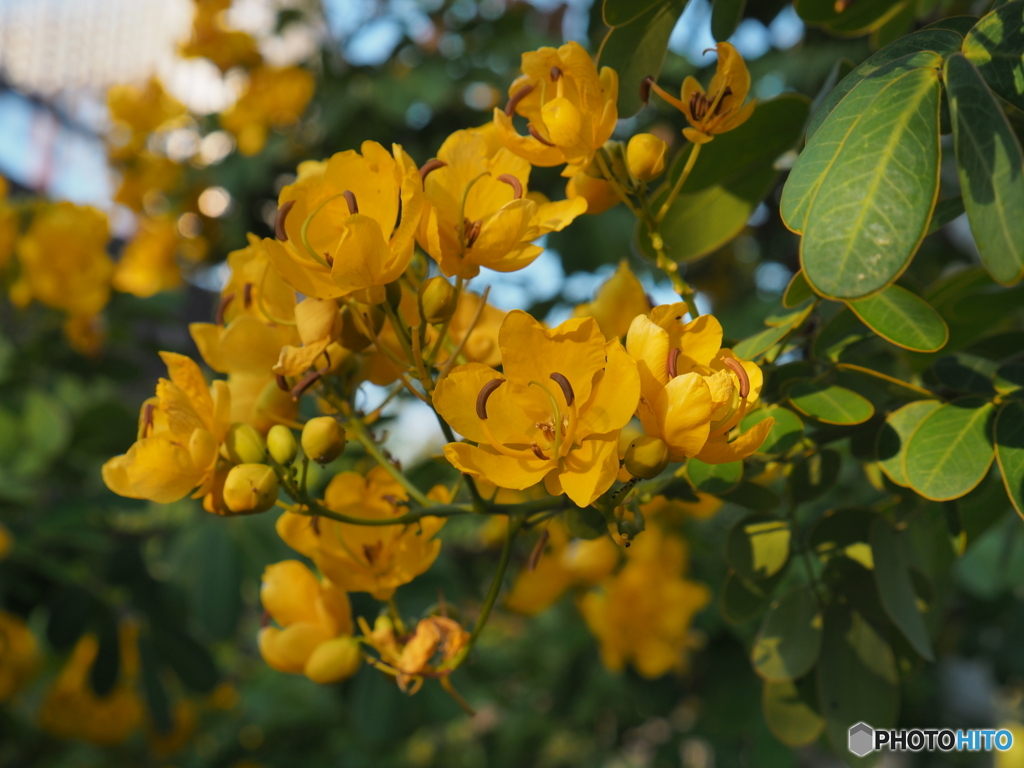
504	450
282	213
556	73
557	421
563	382
305	383
737	367
536	134
485	392
282	383
516	97
673	360
538	452
645	89
473	232
247	295
431	165
222	307
147	419
350	198
512	181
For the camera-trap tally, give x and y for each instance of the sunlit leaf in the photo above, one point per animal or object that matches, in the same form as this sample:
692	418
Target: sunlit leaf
758	546
714	478
829	403
789	640
903	319
790	719
891	445
950	451
994	46
785	432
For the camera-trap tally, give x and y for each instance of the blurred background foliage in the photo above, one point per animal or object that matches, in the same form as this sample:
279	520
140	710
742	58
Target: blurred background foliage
80	559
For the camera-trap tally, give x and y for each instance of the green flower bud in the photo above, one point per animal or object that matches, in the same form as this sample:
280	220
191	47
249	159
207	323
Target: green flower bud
645	156
281	444
250	488
646	457
438	299
334	660
244	445
323	439
393	294
352	337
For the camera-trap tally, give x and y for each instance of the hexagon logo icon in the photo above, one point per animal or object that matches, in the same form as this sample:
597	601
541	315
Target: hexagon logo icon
861	739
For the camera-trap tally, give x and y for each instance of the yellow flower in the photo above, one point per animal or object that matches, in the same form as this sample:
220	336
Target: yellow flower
19	655
274	98
339	229
180	433
553	414
143	176
139	112
618	301
211	39
85	334
570	107
721	107
8	228
478	211
566	562
645	156
365	558
73	711
599	193
643	613
64	262
315	622
410	659
693	392
147	265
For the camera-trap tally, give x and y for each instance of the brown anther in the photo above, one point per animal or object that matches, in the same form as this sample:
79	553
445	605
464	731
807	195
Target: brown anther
372	551
842	5
561	381
512	181
645	89
698	106
431	165
673	360
538	452
536	134
485	392
222	307
737	367
721	102
147	419
473	232
282	383
556	72
538	550
282	213
350	198
305	383
247	296
314	523
329	259
516	97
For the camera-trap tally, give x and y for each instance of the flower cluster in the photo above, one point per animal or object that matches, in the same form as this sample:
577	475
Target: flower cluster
582	418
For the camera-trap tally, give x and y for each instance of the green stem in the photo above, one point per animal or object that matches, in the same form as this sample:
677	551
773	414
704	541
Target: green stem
694	153
371	448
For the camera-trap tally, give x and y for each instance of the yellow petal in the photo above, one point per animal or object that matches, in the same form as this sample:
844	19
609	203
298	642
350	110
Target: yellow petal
301	272
287	650
115	475
535	591
590	469
296	361
717	451
186	375
290	592
363	257
615	394
526	147
684	408
161	470
487	464
617	302
648	345
501	232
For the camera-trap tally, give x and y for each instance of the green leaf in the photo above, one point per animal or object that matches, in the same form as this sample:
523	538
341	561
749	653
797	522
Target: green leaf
814	475
740	603
945	211
752	496
70	609
994	46
876	195
730	178
619	12
897	389
759	343
785	432
189	660
586	523
156	696
895	26
758	546
725	17
637	49
797	292
217	597
903	319
966	373
891	445
107	665
714	478
1010	451
841	332
991	166
857	678
1009	378
959	24
790	719
839	529
829	403
896	588
789	640
950	451
45	432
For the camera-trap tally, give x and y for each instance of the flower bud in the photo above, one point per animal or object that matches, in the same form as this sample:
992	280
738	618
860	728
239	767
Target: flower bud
334	661
563	121
316	319
250	488
599	193
281	444
202	448
244	445
393	294
352	337
438	299
646	457
616	160
323	439
645	156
